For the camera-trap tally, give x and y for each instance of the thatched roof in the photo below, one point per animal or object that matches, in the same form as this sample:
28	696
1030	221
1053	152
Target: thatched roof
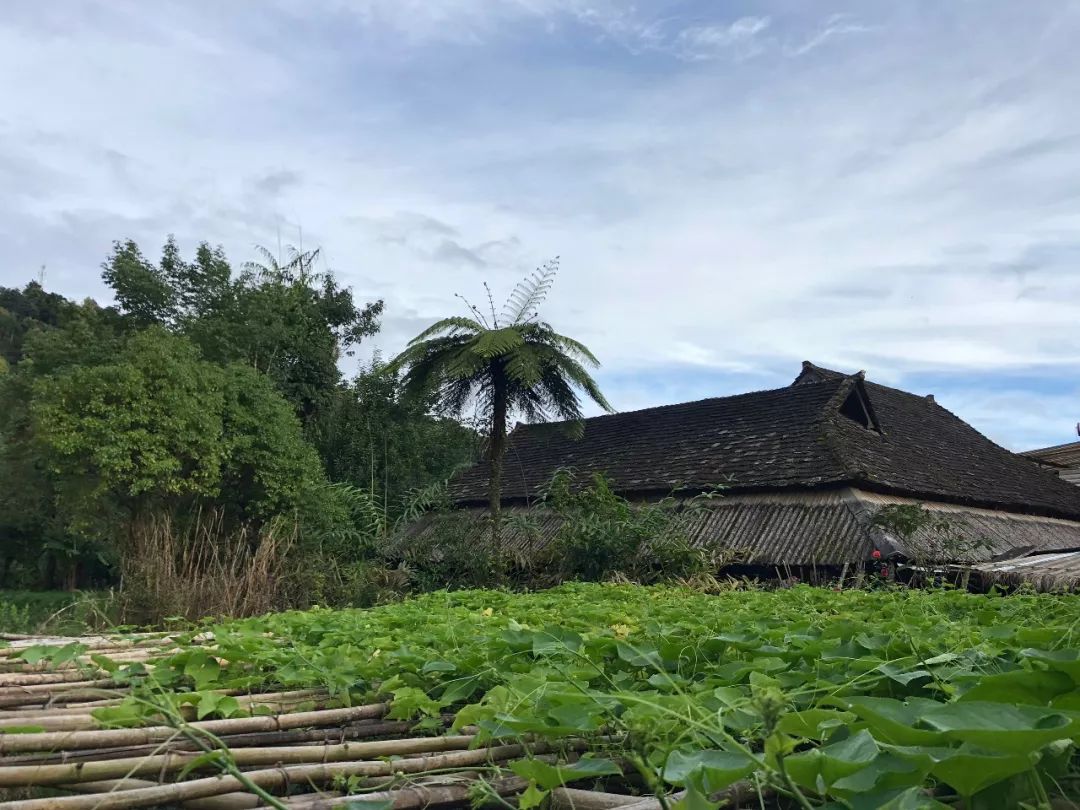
826	430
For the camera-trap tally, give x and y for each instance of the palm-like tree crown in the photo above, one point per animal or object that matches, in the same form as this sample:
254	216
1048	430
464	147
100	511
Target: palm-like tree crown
506	364
462	358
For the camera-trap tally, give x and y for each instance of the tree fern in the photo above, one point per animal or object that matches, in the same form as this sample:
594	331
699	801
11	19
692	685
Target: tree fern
520	365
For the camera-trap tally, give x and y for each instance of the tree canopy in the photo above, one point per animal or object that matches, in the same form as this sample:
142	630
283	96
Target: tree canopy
201	388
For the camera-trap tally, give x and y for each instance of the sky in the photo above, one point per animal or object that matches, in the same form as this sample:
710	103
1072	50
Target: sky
731	187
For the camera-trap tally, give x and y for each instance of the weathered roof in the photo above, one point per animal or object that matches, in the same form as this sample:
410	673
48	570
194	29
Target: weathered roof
802	528
1060	455
806	435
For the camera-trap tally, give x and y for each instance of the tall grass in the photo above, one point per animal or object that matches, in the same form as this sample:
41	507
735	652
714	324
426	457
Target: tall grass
202	567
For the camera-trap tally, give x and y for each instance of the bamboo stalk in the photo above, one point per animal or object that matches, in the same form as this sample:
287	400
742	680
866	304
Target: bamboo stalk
76	740
54	688
272	779
226	801
10	679
365	729
38	775
565	798
79	717
83	660
414	797
68	696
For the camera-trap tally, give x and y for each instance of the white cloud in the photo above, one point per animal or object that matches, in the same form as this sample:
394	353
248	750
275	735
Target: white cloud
904	203
740	37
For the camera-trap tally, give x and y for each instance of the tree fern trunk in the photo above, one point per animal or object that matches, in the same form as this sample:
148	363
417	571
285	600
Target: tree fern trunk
496	448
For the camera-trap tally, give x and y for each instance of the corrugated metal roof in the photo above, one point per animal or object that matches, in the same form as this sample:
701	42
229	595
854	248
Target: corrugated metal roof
1046	572
813	528
1064	455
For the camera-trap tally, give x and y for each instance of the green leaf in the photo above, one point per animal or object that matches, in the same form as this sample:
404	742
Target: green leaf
555	640
553	776
895	721
998	726
832	762
410	701
970	770
438	666
215	758
1033	688
710	770
207	705
125	715
695	799
531	797
814	724
202	669
459	690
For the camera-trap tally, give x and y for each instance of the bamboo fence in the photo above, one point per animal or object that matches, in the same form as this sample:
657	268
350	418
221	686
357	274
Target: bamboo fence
300	751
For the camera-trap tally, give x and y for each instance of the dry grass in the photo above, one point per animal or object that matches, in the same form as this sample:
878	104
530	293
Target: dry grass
202	568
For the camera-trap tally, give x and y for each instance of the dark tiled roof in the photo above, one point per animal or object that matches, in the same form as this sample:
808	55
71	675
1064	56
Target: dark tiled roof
768	439
794	437
927	451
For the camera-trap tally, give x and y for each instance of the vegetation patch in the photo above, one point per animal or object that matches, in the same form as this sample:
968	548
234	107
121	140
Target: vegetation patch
811	697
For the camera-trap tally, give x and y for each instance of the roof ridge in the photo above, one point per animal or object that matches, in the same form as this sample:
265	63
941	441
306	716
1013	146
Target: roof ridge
1052	447
825	422
786	389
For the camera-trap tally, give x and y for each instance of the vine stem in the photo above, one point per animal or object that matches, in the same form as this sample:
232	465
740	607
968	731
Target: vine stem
803	802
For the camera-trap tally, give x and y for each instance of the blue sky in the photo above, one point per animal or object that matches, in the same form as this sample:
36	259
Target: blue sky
733	187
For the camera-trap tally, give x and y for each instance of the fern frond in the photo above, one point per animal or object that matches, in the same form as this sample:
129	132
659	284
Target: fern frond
452	325
529	293
497	342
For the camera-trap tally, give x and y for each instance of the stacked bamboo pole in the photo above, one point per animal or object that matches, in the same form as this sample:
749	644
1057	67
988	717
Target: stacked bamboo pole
54	754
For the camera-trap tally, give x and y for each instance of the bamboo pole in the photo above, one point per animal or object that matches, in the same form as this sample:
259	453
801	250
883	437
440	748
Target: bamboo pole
171	762
10	679
564	798
76	740
413	797
83	660
55	688
364	729
226	801
77	695
79	717
273	779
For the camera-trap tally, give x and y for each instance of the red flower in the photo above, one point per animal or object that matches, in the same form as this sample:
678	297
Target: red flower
876	555
884	572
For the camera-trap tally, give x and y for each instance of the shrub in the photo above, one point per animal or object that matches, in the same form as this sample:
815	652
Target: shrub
603	534
452	551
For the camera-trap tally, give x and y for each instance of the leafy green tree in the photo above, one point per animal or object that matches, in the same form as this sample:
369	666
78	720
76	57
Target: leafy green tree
508	363
284	318
268	468
374	438
141	430
35	544
145	292
25	311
